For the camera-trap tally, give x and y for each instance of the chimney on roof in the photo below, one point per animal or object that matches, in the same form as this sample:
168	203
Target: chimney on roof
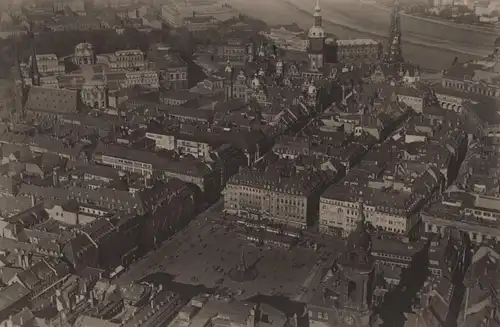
33	200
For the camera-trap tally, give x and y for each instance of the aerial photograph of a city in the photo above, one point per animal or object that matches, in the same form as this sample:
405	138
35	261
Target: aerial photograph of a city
249	163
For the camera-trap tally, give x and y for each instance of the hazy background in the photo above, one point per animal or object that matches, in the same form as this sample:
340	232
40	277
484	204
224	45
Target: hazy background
429	43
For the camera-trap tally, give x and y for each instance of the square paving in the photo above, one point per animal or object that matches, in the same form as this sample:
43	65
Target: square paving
209	256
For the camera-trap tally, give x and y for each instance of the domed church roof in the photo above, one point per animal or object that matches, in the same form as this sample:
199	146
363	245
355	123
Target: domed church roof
316	32
84	46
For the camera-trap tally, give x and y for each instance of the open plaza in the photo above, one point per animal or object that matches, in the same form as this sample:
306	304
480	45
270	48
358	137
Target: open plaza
213	254
213	257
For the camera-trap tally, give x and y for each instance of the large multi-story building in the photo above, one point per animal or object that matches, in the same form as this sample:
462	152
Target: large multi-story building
175	12
146	79
387	206
237	48
358	50
48	64
387	210
287	198
475	215
150	165
128	160
175	72
288	37
478	76
200	23
198	145
124	60
171	68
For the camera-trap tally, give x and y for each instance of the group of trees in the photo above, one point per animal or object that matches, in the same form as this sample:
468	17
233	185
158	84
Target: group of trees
63	43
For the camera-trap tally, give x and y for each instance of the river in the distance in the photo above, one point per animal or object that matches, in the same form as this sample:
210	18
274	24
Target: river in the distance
426	43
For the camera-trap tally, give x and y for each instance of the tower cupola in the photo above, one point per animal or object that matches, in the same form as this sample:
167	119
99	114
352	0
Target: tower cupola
316	38
317	30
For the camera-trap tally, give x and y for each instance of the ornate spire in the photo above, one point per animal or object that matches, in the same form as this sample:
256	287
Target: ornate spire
35	74
361	213
358	247
317	14
19	83
394	52
17	65
317	9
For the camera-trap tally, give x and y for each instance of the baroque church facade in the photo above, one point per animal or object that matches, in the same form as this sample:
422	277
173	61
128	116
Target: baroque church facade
351	288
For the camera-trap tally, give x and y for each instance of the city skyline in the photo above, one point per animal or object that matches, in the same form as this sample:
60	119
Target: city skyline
290	163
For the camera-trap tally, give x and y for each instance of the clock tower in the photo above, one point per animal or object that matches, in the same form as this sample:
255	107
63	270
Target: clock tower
356	276
316	38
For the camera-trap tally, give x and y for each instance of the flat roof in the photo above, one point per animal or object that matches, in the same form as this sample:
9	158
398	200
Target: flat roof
353	42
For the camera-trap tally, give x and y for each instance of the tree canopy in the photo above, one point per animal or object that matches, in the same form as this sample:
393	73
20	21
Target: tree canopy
62	43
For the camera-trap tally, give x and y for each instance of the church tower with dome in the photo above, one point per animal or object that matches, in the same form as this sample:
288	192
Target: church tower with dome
316	38
357	275
394	51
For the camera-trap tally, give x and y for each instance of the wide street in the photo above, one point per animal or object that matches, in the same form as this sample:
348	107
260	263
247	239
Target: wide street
150	262
430	44
209	249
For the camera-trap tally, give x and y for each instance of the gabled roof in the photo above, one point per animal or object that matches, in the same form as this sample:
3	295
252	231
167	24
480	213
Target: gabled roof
52	100
11	294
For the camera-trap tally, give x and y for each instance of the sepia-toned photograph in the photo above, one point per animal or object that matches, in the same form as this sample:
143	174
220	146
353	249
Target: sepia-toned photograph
249	163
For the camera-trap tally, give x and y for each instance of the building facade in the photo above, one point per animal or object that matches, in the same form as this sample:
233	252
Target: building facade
146	79
358	50
287	199
94	94
339	209
124	60
48	64
84	54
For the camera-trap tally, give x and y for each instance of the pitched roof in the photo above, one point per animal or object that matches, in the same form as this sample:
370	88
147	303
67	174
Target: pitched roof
11	294
52	100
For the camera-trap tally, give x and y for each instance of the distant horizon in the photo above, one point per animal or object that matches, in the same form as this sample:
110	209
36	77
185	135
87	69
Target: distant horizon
421	45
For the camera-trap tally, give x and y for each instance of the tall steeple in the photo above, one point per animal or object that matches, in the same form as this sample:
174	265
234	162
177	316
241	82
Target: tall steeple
17	65
361	212
359	240
394	52
317	14
357	279
316	38
19	83
35	74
